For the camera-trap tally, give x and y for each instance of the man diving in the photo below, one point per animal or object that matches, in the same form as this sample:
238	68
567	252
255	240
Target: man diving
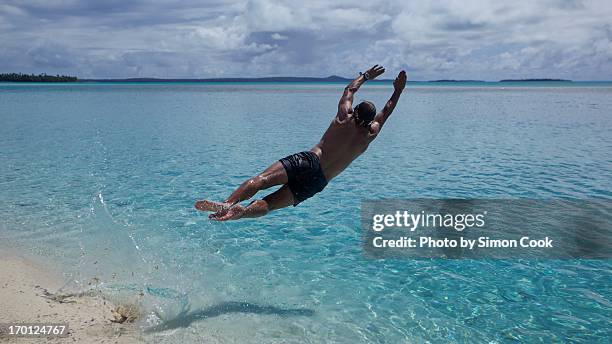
304	174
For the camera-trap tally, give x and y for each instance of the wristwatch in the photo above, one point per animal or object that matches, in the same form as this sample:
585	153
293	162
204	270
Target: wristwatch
365	75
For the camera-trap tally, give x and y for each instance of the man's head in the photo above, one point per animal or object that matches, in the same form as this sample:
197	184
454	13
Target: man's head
365	112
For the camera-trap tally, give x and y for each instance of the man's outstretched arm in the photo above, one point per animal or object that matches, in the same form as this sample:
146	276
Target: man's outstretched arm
398	84
346	101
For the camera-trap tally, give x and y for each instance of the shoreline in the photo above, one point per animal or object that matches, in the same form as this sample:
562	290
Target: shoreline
28	295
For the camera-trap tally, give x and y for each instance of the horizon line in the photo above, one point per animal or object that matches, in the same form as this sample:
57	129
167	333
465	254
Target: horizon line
331	78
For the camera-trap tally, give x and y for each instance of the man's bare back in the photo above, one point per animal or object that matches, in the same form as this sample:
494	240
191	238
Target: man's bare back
304	174
342	143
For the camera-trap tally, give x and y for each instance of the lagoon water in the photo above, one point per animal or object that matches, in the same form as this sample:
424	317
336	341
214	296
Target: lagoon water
100	180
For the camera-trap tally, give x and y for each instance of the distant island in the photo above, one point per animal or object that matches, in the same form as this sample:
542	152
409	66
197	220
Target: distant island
19	77
530	80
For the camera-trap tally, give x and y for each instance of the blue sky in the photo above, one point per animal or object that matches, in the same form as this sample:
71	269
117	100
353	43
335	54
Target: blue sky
487	40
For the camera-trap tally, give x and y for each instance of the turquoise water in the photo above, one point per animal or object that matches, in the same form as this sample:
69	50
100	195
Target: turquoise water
100	180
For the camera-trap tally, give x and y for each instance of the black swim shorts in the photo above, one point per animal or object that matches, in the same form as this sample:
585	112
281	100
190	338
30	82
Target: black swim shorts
305	175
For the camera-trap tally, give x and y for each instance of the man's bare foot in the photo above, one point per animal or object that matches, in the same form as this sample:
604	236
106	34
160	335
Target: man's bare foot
206	205
234	213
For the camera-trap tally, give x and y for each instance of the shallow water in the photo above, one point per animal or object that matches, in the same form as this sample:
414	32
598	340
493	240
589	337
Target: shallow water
100	179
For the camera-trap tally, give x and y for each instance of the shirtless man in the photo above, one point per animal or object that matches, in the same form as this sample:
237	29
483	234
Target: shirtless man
304	174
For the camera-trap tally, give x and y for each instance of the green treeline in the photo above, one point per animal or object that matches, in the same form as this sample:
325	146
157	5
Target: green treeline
19	77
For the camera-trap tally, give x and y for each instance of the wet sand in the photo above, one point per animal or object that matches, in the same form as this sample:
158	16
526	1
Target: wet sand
28	294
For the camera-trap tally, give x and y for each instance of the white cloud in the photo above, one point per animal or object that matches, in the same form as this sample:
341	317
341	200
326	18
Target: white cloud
441	39
278	36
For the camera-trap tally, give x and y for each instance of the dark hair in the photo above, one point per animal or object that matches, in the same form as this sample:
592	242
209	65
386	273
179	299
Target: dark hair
365	111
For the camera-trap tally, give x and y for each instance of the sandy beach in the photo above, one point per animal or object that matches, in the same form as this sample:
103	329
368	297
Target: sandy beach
28	294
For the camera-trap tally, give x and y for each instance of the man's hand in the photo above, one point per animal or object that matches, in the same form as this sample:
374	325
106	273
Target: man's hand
374	72
400	82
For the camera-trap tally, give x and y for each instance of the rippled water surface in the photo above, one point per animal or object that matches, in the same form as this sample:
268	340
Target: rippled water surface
100	180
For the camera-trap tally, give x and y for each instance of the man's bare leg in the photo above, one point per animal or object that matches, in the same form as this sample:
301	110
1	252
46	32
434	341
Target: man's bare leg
278	199
273	175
